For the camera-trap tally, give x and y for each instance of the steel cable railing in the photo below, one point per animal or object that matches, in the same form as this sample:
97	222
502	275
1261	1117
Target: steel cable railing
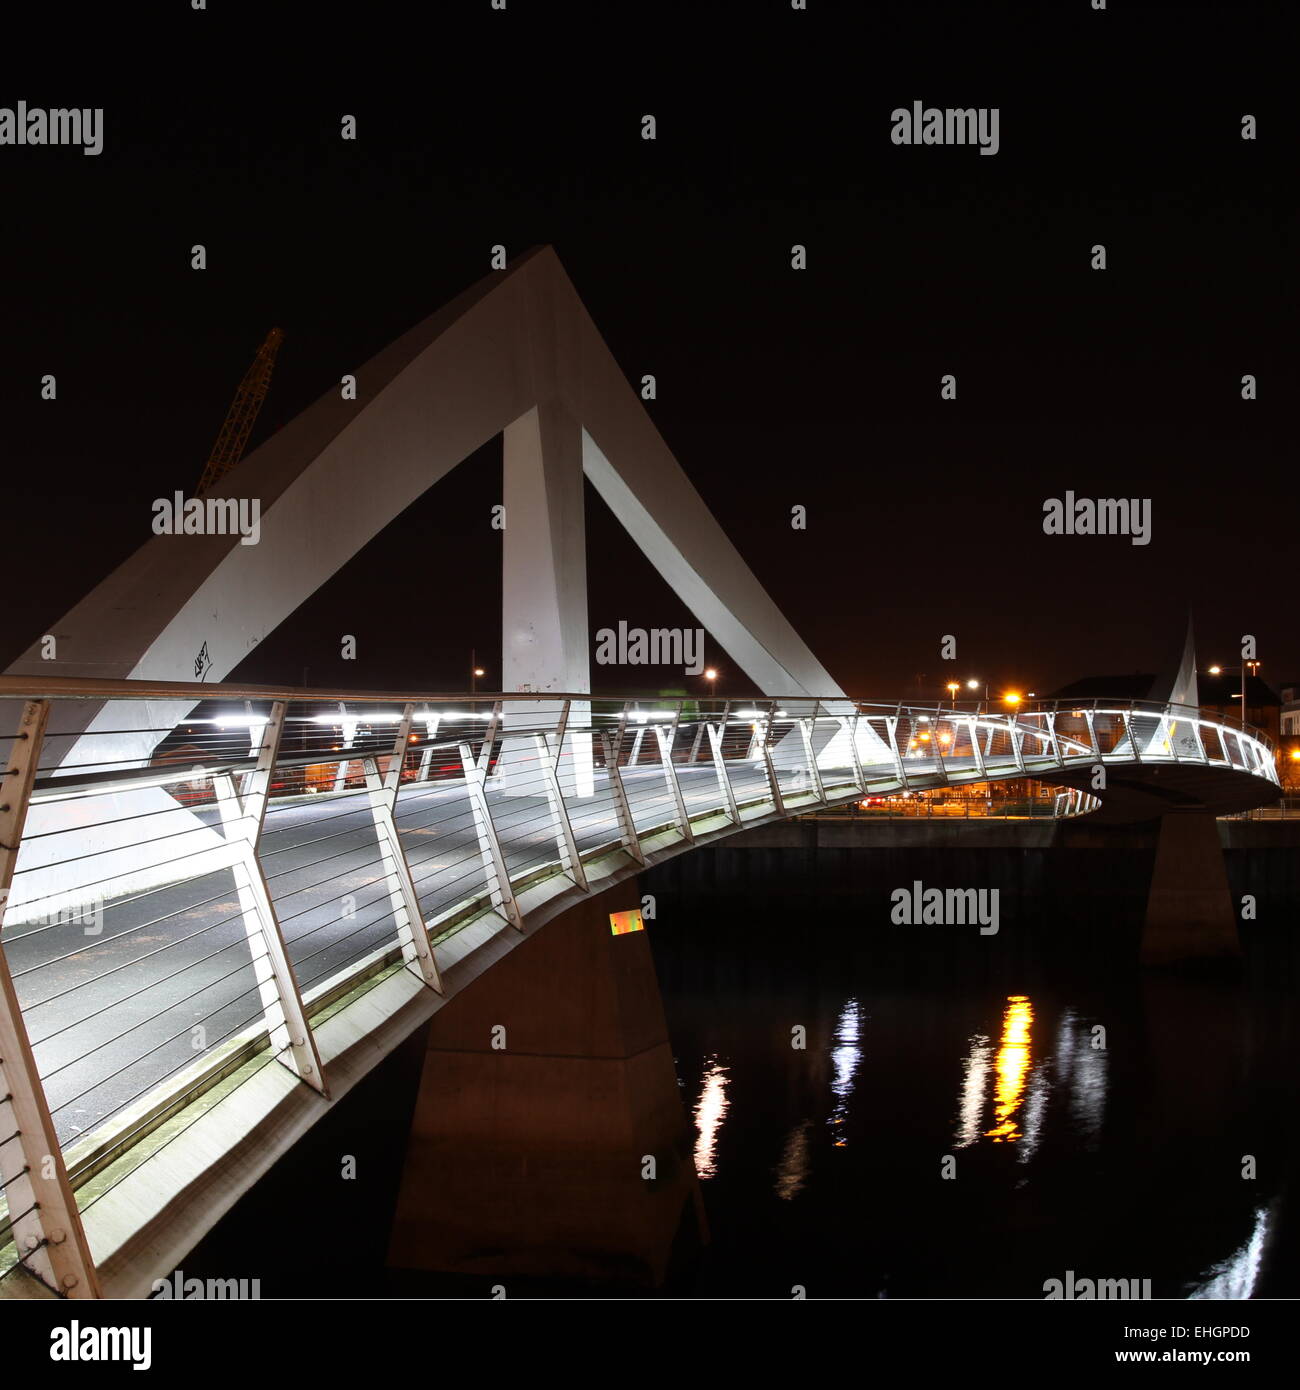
179	892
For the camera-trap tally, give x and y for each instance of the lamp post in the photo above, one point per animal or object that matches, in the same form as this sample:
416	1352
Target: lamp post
711	682
1251	666
475	671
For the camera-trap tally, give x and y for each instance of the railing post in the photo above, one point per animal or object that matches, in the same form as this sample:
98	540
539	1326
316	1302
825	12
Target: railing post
430	722
42	1209
859	777
938	747
1056	742
814	772
717	732
412	932
1127	716
242	820
773	786
666	739
494	863
570	860
976	752
627	826
891	728
1017	742
1090	716
489	740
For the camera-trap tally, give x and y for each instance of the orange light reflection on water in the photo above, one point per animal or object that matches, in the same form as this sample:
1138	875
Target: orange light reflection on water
1012	1069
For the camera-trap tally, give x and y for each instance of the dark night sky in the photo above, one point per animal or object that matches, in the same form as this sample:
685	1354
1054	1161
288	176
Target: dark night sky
776	388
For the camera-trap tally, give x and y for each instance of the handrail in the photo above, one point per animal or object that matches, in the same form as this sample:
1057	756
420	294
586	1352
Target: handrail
52	687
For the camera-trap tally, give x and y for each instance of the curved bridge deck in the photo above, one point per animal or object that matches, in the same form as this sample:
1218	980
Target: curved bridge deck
302	880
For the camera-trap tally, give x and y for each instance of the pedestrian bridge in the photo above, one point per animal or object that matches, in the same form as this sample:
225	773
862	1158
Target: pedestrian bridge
206	947
225	905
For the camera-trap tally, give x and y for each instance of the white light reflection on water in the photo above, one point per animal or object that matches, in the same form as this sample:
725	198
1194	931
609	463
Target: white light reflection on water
975	1080
710	1109
1236	1277
1081	1068
845	1057
1035	1105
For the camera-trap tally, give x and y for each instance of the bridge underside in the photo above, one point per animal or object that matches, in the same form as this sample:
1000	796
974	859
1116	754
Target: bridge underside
1146	792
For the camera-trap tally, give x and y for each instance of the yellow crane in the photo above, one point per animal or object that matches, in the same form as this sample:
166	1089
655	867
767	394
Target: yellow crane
238	424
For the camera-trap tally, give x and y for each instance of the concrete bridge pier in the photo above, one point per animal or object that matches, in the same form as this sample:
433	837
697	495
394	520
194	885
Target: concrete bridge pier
1190	915
548	1098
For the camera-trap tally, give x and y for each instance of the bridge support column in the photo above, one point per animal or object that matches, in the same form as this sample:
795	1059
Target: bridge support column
1190	912
549	1136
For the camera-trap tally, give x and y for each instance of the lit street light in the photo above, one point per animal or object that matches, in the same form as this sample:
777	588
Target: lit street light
1251	666
710	678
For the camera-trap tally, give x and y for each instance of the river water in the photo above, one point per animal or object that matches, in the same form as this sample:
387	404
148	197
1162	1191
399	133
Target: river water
974	1122
889	1111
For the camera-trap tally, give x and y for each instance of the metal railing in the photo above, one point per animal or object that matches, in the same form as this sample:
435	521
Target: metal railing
186	884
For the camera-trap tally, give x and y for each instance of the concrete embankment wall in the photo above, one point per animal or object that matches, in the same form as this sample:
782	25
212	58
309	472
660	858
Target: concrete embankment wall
1067	874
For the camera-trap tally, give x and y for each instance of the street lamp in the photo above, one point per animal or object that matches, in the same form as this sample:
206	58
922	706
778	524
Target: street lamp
1251	666
953	688
710	678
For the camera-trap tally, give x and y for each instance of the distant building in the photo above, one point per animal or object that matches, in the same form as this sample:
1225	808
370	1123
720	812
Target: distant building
1133	687
1291	708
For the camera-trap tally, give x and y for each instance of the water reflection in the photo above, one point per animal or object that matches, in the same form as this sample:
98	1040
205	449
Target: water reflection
792	1172
1035	1107
1098	1151
1012	1069
1023	1084
846	1056
710	1109
975	1082
1081	1068
1236	1277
